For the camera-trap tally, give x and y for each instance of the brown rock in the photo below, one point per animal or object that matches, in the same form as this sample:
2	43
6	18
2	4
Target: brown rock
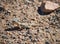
48	6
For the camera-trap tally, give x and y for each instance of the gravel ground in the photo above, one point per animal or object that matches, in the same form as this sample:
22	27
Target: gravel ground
21	23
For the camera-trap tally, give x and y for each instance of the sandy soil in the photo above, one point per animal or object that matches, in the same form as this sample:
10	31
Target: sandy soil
21	23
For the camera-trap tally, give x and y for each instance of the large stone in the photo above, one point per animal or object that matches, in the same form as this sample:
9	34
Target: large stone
48	6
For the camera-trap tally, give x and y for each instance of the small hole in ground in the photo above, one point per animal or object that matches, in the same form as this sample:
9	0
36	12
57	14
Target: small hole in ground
43	13
12	29
1	9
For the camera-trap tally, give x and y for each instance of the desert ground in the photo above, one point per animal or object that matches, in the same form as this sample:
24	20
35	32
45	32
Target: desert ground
22	23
